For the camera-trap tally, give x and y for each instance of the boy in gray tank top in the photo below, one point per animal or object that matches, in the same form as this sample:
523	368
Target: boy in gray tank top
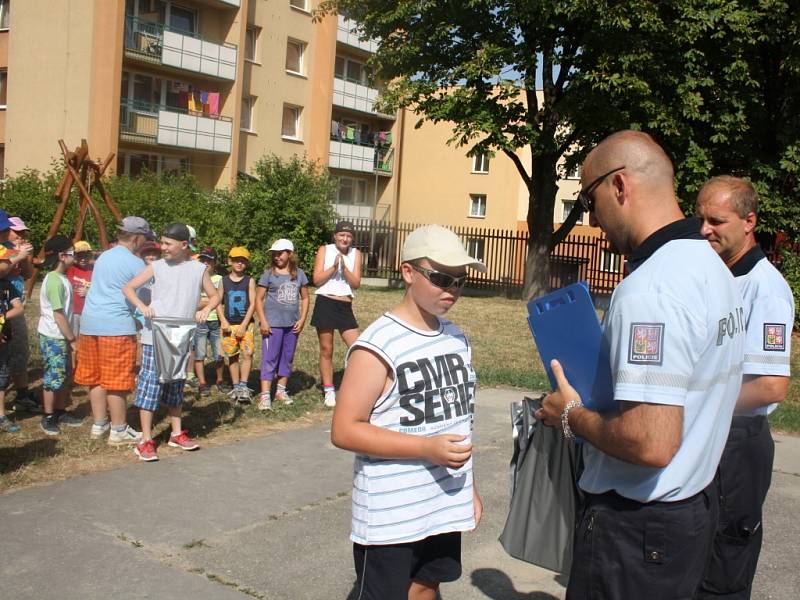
177	283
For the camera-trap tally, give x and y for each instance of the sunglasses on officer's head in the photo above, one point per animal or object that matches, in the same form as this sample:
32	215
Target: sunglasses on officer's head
585	195
439	279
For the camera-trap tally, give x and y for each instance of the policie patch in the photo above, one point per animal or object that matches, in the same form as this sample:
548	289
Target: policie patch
646	345
775	336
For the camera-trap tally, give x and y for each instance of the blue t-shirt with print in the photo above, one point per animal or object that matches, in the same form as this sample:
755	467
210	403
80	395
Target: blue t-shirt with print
282	303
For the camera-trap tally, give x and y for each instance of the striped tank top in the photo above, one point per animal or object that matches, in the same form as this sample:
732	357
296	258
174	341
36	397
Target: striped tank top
397	501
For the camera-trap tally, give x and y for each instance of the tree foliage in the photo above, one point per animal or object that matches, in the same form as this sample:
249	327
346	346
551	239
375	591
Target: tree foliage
287	199
714	81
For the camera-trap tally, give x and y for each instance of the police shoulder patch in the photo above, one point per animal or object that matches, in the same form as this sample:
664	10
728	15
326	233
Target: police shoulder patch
646	344
775	337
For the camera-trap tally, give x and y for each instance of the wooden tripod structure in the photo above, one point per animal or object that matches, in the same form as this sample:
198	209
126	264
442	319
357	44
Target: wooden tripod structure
86	175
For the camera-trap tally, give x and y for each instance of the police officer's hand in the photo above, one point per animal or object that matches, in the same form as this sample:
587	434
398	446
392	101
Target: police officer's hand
554	403
447	450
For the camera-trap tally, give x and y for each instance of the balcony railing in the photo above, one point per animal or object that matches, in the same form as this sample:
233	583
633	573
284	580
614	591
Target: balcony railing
146	123
357	96
160	44
347	33
361	158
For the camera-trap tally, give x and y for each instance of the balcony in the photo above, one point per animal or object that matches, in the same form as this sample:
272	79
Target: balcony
158	44
361	158
356	96
152	124
347	33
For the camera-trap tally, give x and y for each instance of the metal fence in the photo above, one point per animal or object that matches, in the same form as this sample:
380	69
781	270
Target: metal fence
577	258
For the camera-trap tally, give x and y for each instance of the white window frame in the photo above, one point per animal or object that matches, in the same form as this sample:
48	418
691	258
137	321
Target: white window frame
364	69
566	207
359	191
610	262
298	136
301	5
480	163
125	157
248	102
575	173
255	32
302	51
476	248
5	13
481	202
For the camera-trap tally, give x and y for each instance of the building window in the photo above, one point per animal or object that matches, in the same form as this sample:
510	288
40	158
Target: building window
248	104
182	19
476	248
5	14
352	191
290	127
351	70
3	87
251	43
566	208
301	4
477	205
575	173
294	56
610	262
134	165
480	163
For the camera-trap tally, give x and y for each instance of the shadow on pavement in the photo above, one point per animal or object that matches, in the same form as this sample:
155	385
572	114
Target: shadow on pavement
498	586
14	457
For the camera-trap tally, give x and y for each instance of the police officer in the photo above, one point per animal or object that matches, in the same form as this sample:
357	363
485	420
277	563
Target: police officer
728	206
675	330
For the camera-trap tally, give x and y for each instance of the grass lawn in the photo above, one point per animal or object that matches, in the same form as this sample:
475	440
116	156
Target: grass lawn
503	356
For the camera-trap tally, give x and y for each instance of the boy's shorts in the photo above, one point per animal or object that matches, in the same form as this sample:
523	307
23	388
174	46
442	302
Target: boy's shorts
107	361
231	345
5	365
384	572
210	331
149	393
56	361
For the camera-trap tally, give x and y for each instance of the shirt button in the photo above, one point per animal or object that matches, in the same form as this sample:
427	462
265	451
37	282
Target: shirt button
655	555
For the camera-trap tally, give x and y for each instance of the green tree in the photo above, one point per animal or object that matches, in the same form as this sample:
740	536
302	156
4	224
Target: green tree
286	199
663	66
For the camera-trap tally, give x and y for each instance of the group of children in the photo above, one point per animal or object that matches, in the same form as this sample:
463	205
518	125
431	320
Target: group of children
406	402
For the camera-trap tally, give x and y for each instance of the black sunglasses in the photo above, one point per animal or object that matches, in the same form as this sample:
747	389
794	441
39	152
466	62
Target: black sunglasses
585	195
441	280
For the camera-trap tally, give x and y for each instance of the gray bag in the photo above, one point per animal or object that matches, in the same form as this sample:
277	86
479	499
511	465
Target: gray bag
172	341
544	497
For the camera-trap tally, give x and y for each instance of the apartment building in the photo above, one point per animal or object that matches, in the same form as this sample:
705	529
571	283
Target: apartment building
200	86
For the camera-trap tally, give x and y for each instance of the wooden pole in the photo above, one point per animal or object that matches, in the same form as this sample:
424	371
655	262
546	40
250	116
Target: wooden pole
97	216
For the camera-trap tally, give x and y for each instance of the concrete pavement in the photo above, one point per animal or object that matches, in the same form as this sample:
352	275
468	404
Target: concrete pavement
269	518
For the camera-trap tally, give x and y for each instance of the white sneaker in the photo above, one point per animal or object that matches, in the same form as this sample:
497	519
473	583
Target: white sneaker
330	398
127	436
284	396
265	402
98	430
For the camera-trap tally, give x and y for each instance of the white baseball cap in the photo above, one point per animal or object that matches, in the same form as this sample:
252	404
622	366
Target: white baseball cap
440	245
281	245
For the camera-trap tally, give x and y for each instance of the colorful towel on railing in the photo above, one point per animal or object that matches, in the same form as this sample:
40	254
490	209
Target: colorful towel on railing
213	103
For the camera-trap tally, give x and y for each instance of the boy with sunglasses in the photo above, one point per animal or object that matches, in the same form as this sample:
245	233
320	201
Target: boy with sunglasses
405	408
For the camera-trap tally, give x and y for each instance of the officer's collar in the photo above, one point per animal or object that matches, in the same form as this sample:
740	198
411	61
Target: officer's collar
684	229
745	264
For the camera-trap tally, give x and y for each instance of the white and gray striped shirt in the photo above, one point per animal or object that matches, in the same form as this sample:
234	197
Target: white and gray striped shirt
397	501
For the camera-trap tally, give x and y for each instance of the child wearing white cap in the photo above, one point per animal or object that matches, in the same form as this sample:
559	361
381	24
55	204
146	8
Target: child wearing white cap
282	307
405	408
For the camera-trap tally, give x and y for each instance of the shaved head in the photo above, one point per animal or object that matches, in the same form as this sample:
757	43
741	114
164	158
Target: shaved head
640	155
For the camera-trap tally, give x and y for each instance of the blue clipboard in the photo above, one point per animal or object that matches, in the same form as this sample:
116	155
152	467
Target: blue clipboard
565	327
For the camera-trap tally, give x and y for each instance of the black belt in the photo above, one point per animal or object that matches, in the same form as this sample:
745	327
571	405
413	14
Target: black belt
627	503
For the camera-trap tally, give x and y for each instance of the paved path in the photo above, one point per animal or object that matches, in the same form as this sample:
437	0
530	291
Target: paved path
269	518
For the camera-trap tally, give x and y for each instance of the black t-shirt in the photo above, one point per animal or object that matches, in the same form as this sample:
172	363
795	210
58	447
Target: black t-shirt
236	298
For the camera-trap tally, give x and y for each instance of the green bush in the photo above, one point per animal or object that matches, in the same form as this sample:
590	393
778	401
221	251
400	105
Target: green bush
790	267
287	198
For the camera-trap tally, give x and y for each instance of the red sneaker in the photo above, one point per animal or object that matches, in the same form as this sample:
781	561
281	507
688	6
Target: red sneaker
146	451
182	441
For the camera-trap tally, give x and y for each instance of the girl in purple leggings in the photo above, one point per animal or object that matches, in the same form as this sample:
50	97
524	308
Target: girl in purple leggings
282	306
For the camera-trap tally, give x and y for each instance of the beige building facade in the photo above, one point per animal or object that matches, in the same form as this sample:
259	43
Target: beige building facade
211	86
